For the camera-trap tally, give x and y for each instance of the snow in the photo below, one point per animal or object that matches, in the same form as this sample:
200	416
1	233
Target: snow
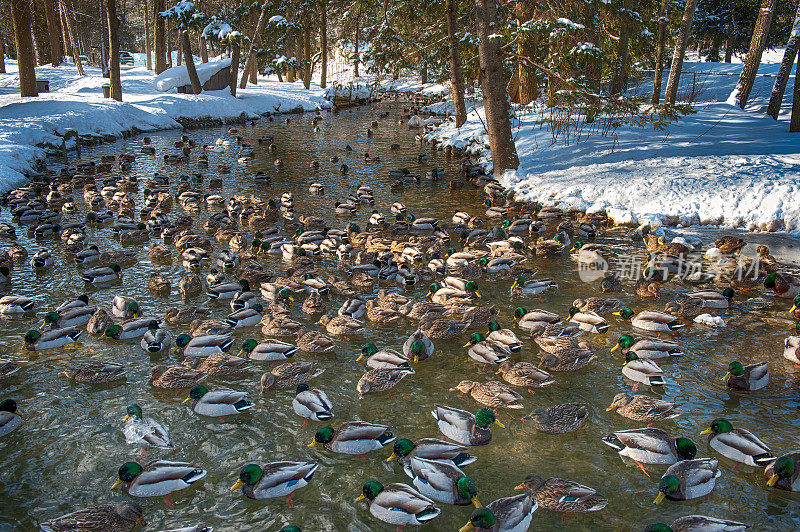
32	128
178	76
720	166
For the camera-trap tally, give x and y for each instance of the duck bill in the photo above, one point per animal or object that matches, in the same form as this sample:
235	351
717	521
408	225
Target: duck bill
453	389
707	431
392	457
794	307
615	348
117	483
240	353
660	497
476	502
313	443
497	422
773	479
466	345
466	528
513	286
237	485
520	487
477	294
16	412
618	313
187	399
360	498
360	357
126	417
727	376
610	408
416	358
499	371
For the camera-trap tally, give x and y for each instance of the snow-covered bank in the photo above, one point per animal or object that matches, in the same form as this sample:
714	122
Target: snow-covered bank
721	165
32	127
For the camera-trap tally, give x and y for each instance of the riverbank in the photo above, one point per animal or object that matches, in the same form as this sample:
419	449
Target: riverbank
719	166
32	128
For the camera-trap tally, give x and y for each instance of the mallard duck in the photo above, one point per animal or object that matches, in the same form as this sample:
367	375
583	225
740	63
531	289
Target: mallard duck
10	418
784	286
688	479
243	299
267	350
381	380
217	403
684	306
464	427
647	288
568	355
159	285
610	283
528	320
647	348
98	323
642	371
651	446
509	514
503	338
102	275
559	419
695	523
42	260
382	359
141	430
714	299
650	320
52	339
155	340
289	375
751	377
492	394
353	437
599	305
643	408
342	325
443	482
740	445
175	377
485	352
203	345
534	287
312	404
524	374
444	328
588	320
554	330
562	495
353	308
96	372
398	504
791	348
227	289
71	317
276	479
729	244
210	327
190	285
120	517
13	304
314	304
8	368
783	473
157	478
130	329
185	314
281	326
125	307
315	342
217	364
247	317
430	449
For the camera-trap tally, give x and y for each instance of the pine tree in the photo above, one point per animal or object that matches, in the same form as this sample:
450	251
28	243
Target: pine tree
680	49
323	44
250	60
53	31
786	67
456	77
113	46
753	60
159	44
662	37
20	13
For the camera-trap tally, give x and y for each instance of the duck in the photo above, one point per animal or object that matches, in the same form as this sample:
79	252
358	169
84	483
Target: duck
643	408
96	372
155	340
381	315
534	287
503	338
568	355
507	514
443	482
464	427
125	307
218	364
217	403
342	325
484	351
68	318
140	430
10	418
714	299
688	479
289	375
651	445
647	348
528	320
650	320
647	288
203	345
120	517
562	495
247	317
383	358
14	304
276	479
268	350
312	404
382	379
588	320
491	393
227	289
157	478
691	523
353	437
208	327
8	368
431	449
98	323
684	306
130	329
175	377
52	339
785	287
740	445
791	348
398	504
751	377
599	305
314	342
101	276
524	374
642	371
783	473
559	419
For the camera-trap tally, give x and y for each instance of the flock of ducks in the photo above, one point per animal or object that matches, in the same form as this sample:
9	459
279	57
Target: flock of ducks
225	260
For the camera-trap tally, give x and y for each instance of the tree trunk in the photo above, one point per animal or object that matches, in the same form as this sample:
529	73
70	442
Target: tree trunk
203	49
593	66
38	49
179	46
730	30
2	53
113	48
159	45
619	79
456	77
323	44
662	38
76	56
53	31
526	75
495	97
251	54
20	13
189	60
356	43
147	48
103	18
235	51
680	48
307	53
794	125
786	68
423	74
168	33
753	60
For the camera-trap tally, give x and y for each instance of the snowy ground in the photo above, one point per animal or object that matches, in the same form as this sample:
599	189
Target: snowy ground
31	126
720	166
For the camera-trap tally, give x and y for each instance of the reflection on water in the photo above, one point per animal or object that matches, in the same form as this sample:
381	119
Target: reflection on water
66	454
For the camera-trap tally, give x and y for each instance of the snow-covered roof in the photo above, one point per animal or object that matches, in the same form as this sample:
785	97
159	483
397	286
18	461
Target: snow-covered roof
178	76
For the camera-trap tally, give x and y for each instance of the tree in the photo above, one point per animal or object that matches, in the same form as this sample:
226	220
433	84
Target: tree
526	73
619	79
159	44
113	48
753	60
251	54
662	37
53	31
67	21
356	45
217	30
680	49
185	16
456	78
20	13
794	126
786	67
323	44
147	48
495	97
2	53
